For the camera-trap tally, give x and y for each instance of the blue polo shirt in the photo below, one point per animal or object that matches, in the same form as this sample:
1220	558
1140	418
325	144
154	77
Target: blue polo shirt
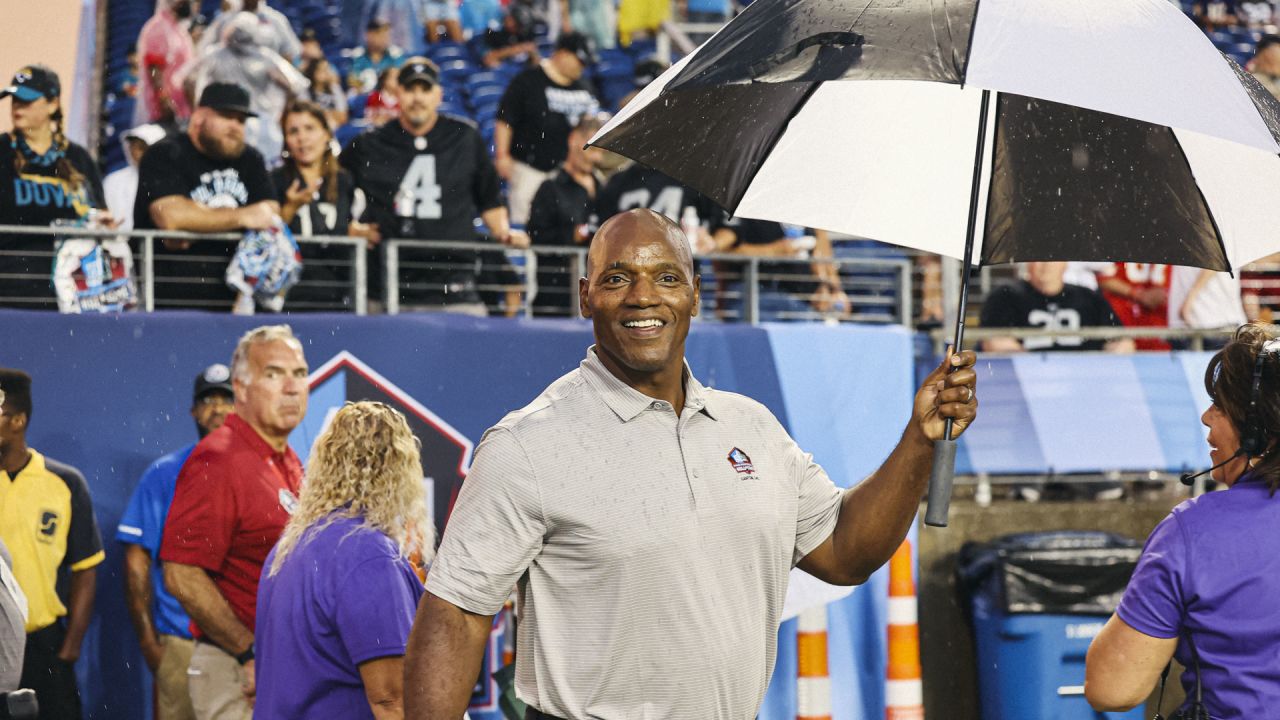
143	524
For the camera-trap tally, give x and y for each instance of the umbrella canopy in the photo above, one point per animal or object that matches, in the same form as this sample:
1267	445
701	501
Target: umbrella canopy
1115	130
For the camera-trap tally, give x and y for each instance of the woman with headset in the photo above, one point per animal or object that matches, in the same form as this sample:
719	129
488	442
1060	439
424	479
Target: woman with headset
1207	587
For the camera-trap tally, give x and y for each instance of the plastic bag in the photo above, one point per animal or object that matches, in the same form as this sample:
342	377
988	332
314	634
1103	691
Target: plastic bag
92	275
267	263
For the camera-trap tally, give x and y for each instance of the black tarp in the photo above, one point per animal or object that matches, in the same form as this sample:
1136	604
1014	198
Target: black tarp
1055	573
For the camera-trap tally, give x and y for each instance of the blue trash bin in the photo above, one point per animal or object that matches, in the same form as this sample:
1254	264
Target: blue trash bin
1036	601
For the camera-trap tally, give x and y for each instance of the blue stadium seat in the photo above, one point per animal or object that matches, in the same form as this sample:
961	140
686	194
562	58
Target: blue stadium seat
346	133
1244	34
486	78
1242	48
607	69
456	109
486	95
615	56
443	52
640	49
456	72
613	90
356	105
121	113
509	69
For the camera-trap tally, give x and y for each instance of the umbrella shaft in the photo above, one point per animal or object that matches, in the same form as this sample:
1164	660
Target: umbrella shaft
971	231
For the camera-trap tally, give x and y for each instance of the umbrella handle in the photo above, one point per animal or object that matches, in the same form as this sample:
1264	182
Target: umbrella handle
940	480
943	474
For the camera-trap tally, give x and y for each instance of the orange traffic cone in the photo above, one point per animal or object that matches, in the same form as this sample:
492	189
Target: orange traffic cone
813	685
904	695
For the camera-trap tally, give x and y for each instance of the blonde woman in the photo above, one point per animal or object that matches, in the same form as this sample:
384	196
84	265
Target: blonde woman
338	593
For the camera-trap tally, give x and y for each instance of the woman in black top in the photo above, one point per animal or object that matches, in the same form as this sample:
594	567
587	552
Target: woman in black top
316	197
43	177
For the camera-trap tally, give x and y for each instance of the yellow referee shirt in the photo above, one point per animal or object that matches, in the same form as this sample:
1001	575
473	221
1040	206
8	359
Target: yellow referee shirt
47	522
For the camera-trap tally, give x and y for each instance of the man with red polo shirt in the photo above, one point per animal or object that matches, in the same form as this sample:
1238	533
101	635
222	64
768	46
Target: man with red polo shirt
233	499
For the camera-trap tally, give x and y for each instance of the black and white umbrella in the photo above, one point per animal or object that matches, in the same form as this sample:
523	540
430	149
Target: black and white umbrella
993	131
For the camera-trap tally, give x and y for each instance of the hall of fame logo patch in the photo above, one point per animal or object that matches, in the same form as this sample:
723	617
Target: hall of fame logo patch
740	462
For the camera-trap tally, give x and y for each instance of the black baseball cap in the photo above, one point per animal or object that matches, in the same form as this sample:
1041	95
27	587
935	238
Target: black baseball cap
580	45
419	69
32	83
377	23
522	15
648	70
1266	42
215	378
227	97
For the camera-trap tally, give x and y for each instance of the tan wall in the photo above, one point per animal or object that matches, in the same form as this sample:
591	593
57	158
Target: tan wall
40	31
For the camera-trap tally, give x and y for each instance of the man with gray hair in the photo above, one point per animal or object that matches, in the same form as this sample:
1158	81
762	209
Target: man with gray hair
233	498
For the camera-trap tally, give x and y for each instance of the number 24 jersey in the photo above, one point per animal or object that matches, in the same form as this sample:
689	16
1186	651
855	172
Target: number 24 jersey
432	189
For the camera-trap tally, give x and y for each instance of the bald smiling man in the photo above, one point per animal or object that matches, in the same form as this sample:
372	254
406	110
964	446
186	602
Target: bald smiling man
650	523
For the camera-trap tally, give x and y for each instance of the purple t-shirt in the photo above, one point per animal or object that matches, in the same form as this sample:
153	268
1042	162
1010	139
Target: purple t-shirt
344	596
1212	567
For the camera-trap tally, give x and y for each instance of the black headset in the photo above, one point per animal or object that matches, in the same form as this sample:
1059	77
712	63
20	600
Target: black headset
1253	436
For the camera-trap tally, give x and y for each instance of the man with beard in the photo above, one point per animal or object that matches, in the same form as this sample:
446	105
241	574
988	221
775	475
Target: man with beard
239	58
233	498
162	626
207	180
427	175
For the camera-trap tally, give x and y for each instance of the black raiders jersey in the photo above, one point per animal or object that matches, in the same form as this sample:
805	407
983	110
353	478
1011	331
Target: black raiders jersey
639	186
429	187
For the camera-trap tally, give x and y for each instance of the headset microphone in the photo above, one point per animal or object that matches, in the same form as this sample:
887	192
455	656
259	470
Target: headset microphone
1188	479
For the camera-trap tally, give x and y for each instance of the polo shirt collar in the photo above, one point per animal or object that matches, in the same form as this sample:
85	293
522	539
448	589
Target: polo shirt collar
626	402
35	463
246	433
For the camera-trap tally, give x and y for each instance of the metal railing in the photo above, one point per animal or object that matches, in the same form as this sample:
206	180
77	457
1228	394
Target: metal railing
143	244
1195	337
534	281
733	286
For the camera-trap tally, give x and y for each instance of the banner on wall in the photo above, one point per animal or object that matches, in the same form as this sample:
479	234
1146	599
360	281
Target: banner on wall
446	452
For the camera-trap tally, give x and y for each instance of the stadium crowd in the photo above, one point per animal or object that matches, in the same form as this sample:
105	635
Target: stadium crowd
455	121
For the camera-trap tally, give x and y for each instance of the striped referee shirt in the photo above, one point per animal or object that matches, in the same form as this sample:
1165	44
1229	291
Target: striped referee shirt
651	551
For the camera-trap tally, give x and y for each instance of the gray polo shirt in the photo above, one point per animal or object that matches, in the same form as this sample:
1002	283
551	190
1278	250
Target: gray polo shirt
13	618
652	552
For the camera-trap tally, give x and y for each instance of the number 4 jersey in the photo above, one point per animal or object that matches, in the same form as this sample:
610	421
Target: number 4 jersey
429	187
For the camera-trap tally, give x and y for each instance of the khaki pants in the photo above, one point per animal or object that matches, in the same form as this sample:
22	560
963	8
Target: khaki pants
521	186
173	697
215	678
